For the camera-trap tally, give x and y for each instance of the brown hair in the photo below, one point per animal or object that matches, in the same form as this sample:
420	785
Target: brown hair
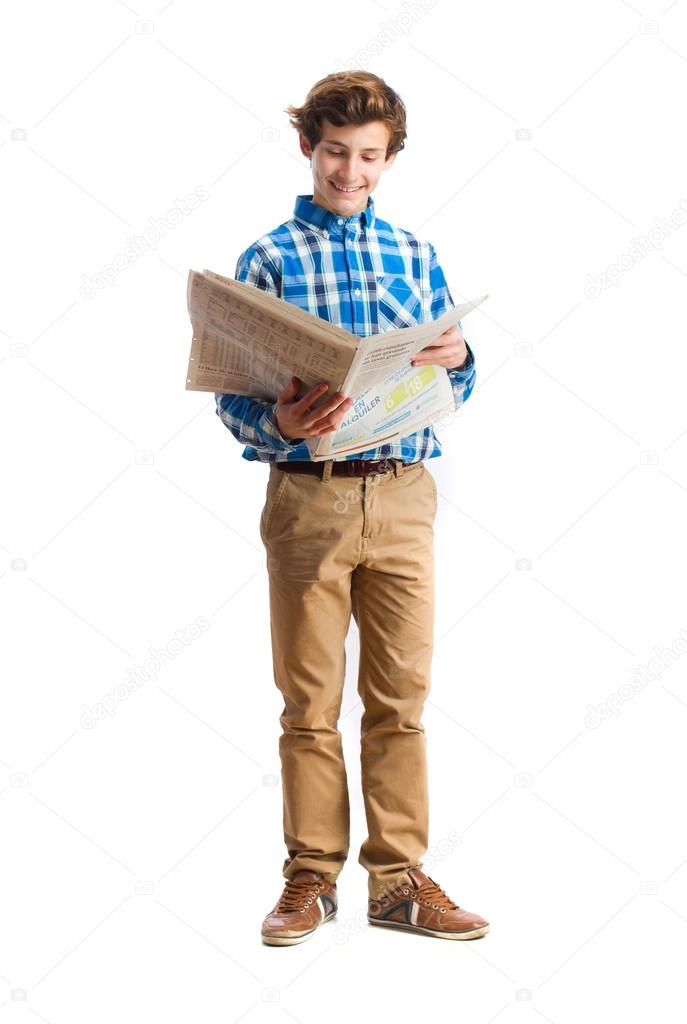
350	97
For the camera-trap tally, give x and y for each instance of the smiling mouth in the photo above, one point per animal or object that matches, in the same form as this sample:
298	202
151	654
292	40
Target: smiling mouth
345	191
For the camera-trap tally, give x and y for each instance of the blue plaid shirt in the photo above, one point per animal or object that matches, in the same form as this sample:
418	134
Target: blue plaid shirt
361	273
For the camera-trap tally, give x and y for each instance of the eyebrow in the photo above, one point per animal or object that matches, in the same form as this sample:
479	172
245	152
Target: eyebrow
368	149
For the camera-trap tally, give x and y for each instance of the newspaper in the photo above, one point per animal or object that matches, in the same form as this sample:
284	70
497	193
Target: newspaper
249	342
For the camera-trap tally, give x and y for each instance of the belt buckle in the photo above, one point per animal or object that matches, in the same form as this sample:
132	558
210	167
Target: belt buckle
383	466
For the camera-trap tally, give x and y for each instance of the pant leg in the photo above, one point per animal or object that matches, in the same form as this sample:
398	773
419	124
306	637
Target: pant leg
312	539
393	605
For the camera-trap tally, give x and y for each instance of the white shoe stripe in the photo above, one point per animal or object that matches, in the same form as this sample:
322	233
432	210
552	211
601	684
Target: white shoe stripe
321	906
414	912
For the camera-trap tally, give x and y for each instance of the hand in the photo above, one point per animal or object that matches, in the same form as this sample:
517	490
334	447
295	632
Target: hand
447	350
296	419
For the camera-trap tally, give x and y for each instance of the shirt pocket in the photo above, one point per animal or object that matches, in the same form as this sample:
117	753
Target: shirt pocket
399	302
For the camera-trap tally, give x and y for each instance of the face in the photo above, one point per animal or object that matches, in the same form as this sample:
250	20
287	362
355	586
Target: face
350	157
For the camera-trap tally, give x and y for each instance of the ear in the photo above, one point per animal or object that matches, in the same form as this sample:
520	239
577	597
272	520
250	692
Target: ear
306	148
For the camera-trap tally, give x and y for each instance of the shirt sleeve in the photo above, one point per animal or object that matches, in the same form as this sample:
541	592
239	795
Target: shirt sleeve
463	380
253	421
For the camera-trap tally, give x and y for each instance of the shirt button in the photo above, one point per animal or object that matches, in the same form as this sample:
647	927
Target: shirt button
340	220
357	291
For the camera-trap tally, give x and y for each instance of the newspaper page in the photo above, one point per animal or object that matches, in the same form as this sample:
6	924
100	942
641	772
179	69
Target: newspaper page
409	399
248	342
391	398
379	354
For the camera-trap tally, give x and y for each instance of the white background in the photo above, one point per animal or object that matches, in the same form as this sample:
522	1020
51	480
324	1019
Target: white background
140	855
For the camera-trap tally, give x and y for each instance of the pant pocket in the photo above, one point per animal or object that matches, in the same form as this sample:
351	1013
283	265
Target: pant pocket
433	485
276	485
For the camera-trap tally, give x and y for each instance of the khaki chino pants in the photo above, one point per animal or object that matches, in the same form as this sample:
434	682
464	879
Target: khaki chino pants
363	546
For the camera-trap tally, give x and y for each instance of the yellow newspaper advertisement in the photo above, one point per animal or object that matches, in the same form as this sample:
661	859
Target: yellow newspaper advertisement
248	342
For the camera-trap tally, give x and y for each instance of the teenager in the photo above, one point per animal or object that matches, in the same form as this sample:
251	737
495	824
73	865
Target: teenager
351	535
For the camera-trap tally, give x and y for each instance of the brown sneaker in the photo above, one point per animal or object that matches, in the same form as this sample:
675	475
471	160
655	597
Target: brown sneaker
308	900
425	907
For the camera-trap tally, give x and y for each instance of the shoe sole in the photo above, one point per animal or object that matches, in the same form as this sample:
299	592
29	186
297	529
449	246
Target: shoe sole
292	940
474	933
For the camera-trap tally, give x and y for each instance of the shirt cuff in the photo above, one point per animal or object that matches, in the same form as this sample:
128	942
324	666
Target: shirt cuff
275	438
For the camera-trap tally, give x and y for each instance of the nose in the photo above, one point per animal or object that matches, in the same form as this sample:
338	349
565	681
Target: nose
350	171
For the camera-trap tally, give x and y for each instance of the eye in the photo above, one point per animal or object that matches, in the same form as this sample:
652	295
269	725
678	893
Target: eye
336	152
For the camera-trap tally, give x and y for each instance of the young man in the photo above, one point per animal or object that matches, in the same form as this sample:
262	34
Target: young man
352	535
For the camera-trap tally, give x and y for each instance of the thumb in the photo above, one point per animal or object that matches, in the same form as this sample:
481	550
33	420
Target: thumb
287	393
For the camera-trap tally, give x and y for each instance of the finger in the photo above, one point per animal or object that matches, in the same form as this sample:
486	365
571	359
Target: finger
332	418
309	420
327	428
310	396
289	387
338	405
429	350
431	357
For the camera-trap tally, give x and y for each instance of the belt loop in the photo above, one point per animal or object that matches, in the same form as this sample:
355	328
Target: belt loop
398	467
327	472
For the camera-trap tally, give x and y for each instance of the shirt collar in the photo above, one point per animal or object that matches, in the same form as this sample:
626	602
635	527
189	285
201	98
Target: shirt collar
328	223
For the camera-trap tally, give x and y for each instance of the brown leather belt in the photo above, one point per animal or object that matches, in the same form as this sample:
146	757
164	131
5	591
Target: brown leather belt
343	467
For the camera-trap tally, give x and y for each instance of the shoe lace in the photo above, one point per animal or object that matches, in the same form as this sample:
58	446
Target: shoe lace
432	892
296	893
